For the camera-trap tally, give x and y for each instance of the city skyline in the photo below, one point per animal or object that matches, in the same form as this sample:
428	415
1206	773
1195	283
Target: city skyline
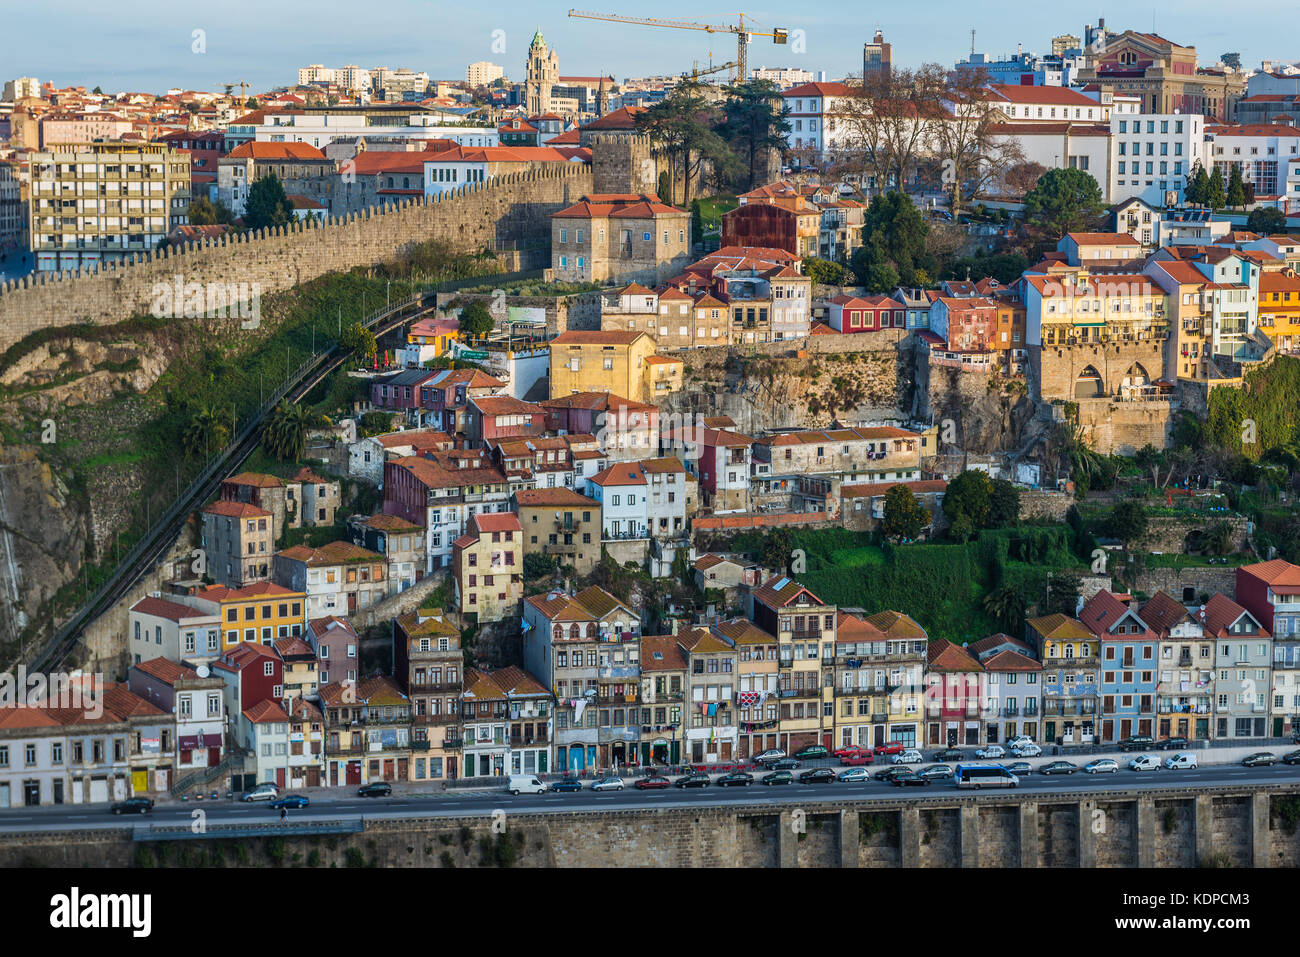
94	45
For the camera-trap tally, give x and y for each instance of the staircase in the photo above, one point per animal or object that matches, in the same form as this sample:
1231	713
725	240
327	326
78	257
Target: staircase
232	760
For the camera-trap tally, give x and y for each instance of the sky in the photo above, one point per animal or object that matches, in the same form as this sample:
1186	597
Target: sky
152	45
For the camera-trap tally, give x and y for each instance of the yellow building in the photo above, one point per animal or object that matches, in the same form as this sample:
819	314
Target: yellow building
665	375
613	361
1190	319
758	675
257	614
1279	309
430	338
488	561
1076	306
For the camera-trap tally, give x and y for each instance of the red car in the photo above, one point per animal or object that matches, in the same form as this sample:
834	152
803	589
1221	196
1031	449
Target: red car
847	751
653	781
890	747
856	757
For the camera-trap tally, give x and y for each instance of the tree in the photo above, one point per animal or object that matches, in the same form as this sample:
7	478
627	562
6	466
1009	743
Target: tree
963	528
1063	593
1266	220
537	565
1128	521
1020	178
1007	605
823	272
359	341
1232	60
1064	201
755	125
267	204
681	127
697	222
881	279
889	123
968	495
97	91
204	212
1004	504
285	434
207	431
1197	191
1236	189
904	515
776	548
475	320
975	154
1216	196
898	233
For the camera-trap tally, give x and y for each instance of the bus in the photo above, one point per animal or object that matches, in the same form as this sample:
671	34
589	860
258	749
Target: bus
984	776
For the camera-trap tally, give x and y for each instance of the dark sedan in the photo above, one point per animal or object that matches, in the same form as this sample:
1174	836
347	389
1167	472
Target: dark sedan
812	751
950	754
734	779
777	777
1172	744
785	764
696	779
289	802
652	783
1291	757
1260	759
1059	767
1019	767
133	806
889	774
567	784
378	789
817	776
909	780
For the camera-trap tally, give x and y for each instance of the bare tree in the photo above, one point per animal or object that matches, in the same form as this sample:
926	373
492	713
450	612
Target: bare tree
891	121
976	149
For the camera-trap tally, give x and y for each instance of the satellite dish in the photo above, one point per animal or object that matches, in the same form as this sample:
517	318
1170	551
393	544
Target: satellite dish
202	671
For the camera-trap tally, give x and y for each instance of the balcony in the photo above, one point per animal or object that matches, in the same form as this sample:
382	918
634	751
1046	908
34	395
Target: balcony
453	744
615	701
625	535
623	671
785	693
879	716
559	548
528	740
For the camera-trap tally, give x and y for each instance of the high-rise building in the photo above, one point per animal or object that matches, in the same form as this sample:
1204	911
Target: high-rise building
1063	44
876	58
95	203
24	86
316	73
483	73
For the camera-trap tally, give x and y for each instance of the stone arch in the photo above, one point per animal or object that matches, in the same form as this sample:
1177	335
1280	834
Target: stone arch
1089	384
1136	377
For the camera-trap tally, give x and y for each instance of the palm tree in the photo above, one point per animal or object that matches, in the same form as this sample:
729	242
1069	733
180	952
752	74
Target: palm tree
206	432
1007	606
285	432
1085	462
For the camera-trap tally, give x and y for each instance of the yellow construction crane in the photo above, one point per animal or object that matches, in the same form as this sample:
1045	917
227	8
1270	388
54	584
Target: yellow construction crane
743	35
695	72
242	87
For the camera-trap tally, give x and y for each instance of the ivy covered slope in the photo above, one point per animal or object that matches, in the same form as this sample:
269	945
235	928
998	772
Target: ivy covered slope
1270	399
100	426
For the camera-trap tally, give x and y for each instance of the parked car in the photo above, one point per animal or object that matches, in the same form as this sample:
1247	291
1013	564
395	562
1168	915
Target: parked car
382	789
1172	744
289	801
889	747
817	776
652	783
909	779
848	750
1260	759
1019	767
856	758
1026	750
949	754
936	772
263	792
1291	757
1018	740
695	779
910	756
568	784
137	805
611	783
735	778
1058	767
810	752
890	773
1184	759
784	764
853	775
777	777
1102	766
771	754
990	751
1144	762
1136	742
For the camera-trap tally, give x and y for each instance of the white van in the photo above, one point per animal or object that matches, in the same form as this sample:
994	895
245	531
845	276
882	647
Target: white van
526	784
1183	759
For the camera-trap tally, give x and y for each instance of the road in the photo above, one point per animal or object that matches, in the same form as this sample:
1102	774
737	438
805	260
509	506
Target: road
348	807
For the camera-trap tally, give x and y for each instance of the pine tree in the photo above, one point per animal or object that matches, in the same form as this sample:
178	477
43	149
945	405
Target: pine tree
1236	189
1215	195
1198	185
